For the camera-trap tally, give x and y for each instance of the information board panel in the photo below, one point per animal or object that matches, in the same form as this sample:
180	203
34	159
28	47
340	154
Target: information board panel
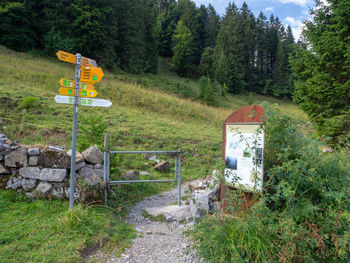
244	158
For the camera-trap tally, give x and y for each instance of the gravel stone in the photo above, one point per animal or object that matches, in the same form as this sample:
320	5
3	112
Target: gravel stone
164	244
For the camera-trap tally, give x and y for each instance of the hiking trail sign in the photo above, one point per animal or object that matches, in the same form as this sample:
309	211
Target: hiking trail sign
79	92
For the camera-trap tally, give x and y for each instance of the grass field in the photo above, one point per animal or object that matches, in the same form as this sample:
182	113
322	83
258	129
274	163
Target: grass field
145	115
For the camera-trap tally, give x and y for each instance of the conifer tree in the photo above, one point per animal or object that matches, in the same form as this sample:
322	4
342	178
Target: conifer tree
183	50
321	71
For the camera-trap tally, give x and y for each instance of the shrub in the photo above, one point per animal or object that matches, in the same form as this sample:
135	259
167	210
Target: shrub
91	131
30	102
303	213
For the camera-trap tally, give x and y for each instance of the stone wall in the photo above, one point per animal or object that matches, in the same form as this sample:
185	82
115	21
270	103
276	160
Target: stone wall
44	172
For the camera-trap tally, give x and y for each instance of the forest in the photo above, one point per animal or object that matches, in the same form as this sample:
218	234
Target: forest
235	53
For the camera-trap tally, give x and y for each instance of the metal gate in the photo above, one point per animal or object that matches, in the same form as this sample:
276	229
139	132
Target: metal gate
106	169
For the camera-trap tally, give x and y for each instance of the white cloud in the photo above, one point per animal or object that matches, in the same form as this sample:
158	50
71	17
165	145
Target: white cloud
297	2
296	26
269	9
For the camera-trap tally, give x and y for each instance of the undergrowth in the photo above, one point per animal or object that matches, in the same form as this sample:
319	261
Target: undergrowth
303	213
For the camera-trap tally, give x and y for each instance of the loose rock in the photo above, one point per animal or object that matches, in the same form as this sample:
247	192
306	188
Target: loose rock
131	175
30	172
16	158
29	184
33	160
53	175
3	170
78	156
54	159
34	152
90	175
43	187
93	154
162	166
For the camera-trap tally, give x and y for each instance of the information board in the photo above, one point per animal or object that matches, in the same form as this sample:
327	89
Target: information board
244	156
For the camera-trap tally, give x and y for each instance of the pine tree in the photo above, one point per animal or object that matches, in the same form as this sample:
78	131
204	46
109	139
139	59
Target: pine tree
205	67
183	50
321	71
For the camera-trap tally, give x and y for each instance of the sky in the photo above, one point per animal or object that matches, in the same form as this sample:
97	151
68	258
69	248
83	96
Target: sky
290	12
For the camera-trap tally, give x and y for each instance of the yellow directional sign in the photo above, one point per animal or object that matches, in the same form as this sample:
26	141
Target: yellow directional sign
65	56
68	83
91	75
85	93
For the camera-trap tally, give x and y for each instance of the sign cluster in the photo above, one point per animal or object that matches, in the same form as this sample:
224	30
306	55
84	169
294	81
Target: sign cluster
80	91
89	75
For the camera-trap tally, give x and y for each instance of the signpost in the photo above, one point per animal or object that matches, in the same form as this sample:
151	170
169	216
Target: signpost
79	92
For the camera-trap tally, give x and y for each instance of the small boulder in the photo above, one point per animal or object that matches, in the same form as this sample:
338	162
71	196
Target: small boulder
79	166
131	175
30	172
14	182
33	160
34	152
3	170
162	166
44	187
53	175
97	166
17	158
29	184
54	159
56	149
145	173
90	175
93	154
78	157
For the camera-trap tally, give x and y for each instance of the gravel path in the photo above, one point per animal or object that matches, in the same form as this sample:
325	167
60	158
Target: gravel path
156	242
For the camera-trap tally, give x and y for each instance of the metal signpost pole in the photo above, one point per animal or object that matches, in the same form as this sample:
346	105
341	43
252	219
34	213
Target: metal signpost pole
74	133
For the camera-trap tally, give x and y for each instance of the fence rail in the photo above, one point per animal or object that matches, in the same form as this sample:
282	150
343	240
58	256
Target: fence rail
106	169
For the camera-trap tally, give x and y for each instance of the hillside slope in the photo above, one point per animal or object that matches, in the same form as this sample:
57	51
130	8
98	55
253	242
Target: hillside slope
142	118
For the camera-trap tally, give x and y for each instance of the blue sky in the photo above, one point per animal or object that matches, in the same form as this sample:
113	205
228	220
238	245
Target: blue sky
290	12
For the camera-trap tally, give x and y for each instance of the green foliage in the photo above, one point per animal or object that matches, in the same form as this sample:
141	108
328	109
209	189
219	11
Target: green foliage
91	130
205	66
207	93
321	71
54	41
303	213
183	50
30	102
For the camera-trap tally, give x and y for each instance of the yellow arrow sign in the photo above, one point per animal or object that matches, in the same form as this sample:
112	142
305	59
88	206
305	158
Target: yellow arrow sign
91	75
85	93
65	56
67	83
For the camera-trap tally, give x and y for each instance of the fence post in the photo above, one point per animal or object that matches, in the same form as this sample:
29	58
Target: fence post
179	178
105	167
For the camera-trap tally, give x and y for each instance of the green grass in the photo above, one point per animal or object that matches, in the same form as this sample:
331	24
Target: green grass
145	115
44	231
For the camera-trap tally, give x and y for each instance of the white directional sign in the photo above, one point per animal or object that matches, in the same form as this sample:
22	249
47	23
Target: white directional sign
83	101
95	102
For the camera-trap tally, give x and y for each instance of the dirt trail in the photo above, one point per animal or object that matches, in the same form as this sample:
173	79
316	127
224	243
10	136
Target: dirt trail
156	242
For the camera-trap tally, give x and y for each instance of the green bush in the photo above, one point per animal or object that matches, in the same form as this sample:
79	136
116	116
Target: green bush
303	214
92	130
30	102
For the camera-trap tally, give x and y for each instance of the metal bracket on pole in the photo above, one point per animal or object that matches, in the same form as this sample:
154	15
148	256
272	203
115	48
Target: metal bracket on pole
74	132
